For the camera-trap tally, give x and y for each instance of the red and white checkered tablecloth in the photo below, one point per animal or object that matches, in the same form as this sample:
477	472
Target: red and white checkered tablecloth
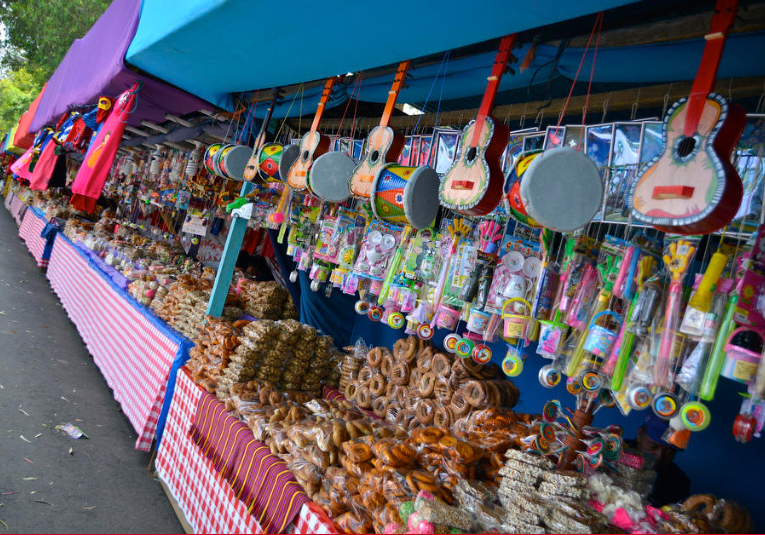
132	352
17	209
207	500
30	231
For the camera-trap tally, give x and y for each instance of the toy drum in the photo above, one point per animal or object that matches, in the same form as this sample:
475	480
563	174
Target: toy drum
477	321
330	176
515	324
600	340
550	336
742	358
406	195
232	159
447	317
209	155
268	161
289	155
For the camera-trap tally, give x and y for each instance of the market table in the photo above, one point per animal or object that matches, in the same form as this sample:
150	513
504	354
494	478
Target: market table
7	200
206	499
32	226
17	208
134	350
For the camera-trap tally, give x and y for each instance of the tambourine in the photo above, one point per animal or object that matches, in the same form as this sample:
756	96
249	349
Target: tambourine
361	307
549	377
481	354
425	331
512	364
451	341
695	416
375	313
396	320
465	348
665	405
639	397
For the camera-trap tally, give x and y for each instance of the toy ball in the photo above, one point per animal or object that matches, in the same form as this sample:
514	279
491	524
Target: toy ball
294	276
195	241
392	527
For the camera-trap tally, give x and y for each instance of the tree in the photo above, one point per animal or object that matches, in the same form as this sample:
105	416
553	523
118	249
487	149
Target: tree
38	33
17	91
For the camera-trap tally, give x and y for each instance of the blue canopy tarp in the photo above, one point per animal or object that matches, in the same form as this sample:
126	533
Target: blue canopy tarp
213	48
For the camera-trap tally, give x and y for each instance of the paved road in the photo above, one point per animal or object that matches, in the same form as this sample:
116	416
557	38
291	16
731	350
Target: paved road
49	482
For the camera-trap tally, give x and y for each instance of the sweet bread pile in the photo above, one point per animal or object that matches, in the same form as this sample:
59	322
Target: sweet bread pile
287	354
210	358
415	386
266	300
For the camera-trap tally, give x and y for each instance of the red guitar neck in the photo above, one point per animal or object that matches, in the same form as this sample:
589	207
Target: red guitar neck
500	65
722	20
395	89
322	103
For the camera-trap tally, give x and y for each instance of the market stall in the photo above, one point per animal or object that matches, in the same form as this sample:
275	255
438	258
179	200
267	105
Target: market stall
133	349
31	231
473	311
17	207
207	500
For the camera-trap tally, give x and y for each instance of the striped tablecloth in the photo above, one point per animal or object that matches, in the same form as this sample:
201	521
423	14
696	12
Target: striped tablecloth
133	349
7	200
207	500
30	231
18	207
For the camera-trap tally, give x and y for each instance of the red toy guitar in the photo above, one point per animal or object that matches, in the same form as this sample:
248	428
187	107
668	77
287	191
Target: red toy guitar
473	184
691	186
383	143
312	145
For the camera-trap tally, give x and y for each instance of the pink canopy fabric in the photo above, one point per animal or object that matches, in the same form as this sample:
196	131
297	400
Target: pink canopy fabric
24	137
94	66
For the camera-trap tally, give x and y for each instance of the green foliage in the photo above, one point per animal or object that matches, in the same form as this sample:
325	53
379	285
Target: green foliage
37	35
17	91
39	32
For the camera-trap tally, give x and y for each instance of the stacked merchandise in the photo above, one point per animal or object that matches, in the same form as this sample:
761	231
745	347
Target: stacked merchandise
416	386
266	300
211	356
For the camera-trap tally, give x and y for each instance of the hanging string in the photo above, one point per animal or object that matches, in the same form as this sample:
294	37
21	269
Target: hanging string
300	90
254	115
427	99
353	128
598	20
441	95
356	85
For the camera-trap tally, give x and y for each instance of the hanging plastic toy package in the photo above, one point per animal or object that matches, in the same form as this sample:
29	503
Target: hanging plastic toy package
677	258
690	374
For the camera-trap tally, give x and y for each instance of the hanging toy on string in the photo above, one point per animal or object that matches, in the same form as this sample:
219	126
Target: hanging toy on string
458	230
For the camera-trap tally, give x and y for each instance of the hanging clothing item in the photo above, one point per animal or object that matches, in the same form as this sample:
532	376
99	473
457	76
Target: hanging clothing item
94	171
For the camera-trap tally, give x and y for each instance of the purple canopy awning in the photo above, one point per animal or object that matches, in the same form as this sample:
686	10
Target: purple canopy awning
94	66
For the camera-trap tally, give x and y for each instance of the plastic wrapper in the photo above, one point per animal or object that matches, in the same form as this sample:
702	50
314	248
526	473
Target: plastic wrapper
440	513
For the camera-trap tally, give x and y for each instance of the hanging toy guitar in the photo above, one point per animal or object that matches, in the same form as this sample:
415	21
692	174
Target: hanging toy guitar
691	187
253	164
473	185
383	143
312	145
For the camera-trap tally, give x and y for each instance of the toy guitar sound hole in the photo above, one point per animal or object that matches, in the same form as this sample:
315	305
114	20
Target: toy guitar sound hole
305	154
471	153
685	148
374	156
